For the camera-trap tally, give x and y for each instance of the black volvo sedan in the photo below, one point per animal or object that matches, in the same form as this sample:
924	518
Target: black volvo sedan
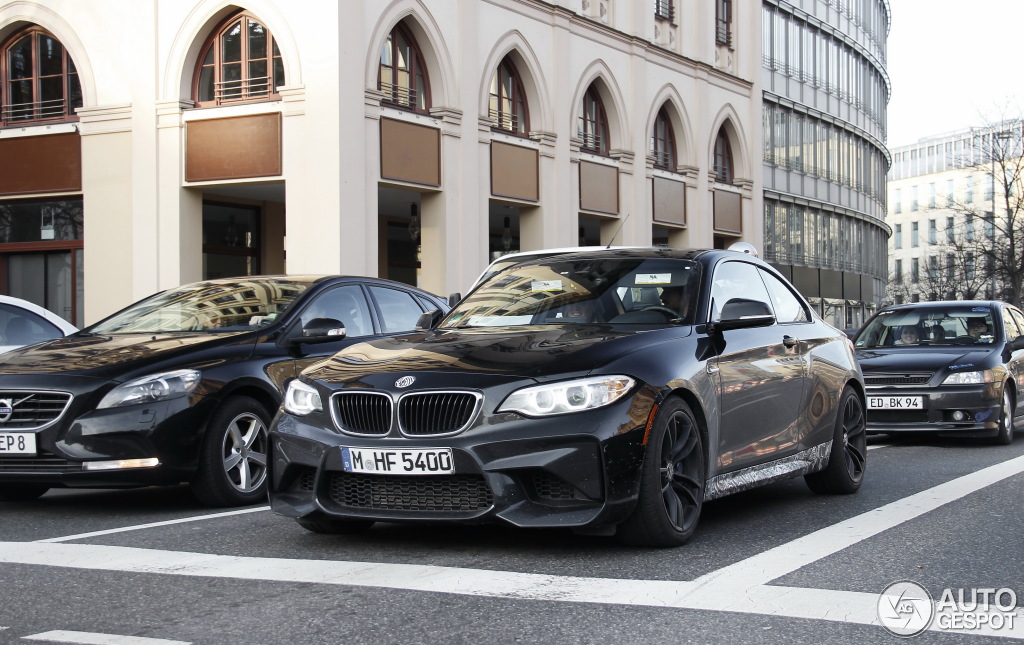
181	386
608	391
949	367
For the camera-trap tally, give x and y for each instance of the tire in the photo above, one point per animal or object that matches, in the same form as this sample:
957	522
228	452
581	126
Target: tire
1004	437
672	480
848	459
233	461
332	526
22	492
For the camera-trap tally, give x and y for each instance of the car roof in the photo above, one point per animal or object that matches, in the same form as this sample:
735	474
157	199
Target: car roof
42	312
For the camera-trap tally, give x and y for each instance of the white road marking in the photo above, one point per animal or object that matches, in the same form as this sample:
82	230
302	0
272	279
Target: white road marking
91	638
139	527
740	587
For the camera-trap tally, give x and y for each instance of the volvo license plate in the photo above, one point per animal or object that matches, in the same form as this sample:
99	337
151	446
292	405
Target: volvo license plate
411	461
895	403
17	443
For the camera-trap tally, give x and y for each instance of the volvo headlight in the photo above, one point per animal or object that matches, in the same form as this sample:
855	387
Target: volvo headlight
567	396
970	378
301	399
155	387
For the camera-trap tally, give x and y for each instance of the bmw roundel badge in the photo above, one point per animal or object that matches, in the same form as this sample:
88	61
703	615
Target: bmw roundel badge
405	381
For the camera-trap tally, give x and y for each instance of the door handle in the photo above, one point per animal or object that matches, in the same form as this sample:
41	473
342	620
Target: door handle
789	341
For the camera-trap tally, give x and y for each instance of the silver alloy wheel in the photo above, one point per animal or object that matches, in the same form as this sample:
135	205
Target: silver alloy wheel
245	452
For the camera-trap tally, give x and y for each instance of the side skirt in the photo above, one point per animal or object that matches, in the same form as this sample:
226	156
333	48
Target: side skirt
802	463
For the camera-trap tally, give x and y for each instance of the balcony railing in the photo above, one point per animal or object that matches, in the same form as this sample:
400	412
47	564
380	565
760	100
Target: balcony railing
242	90
401	95
591	141
35	111
663	9
505	121
723	36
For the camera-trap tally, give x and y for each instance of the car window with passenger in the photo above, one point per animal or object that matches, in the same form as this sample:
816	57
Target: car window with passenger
928	326
648	291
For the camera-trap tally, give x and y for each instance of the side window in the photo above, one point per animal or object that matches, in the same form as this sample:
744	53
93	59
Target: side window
399	311
1009	324
20	327
737	292
788	307
347	304
1019	317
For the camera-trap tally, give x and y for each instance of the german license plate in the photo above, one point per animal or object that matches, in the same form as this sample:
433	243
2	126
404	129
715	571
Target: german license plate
17	443
895	403
411	461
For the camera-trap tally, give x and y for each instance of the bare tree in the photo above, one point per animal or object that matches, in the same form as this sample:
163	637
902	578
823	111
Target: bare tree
989	243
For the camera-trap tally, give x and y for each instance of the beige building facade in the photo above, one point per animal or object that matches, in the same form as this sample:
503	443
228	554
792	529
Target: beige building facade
163	142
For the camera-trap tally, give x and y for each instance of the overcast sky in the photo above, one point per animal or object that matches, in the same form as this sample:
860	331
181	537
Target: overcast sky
953	65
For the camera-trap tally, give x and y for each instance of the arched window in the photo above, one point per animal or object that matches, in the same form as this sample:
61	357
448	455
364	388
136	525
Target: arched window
663	142
723	159
593	123
403	74
508	100
40	82
240	62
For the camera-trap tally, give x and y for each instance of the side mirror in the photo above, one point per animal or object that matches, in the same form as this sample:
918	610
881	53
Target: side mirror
454	299
1017	344
321	330
429	319
741	323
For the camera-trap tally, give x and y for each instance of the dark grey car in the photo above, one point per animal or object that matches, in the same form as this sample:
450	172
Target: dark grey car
605	389
948	367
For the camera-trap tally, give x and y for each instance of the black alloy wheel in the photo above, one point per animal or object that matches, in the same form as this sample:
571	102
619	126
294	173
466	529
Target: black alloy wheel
848	457
672	481
21	492
233	463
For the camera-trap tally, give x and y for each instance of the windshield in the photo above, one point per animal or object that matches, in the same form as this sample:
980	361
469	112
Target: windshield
583	291
206	306
953	325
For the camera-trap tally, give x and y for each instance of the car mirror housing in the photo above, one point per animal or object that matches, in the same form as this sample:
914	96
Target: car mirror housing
454	298
746	322
321	330
429	319
1017	343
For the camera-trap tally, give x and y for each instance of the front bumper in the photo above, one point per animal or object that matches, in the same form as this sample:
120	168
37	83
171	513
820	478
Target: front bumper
979	406
569	471
170	431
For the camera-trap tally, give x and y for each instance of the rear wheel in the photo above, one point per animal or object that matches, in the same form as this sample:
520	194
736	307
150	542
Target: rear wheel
1005	434
848	459
21	492
671	481
233	461
332	526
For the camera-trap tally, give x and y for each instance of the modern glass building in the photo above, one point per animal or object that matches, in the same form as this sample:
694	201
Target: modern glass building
825	161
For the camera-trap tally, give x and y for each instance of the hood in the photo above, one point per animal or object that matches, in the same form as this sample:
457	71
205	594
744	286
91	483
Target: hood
925	359
536	352
106	356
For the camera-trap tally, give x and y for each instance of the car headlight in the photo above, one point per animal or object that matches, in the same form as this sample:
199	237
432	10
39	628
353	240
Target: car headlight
301	399
155	387
567	396
970	378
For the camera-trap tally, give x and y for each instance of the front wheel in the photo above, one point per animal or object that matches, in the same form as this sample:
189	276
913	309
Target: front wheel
21	492
1005	434
233	461
848	458
671	481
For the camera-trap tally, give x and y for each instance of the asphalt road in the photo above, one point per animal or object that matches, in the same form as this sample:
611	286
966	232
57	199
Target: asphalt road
773	565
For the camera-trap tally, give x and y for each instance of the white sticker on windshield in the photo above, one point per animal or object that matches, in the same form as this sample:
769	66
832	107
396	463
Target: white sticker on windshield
653	278
546	285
